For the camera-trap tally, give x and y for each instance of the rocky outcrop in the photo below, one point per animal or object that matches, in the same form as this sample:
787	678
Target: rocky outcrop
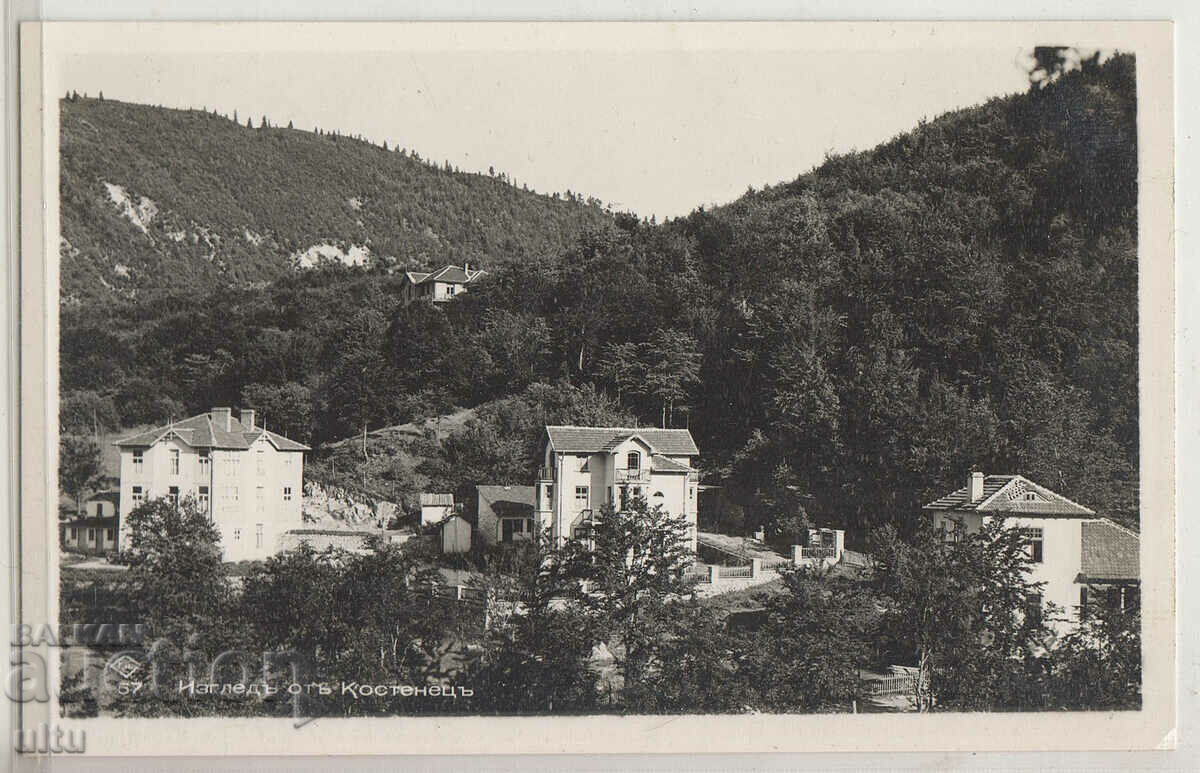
333	507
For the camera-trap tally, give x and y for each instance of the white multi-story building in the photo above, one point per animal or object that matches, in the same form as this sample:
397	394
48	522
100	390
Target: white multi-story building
585	468
248	480
1079	556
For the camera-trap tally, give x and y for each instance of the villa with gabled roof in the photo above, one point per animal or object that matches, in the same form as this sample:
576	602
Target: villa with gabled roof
1078	555
443	284
584	468
247	479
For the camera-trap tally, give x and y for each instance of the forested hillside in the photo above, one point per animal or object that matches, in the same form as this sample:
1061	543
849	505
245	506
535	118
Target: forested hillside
186	200
848	344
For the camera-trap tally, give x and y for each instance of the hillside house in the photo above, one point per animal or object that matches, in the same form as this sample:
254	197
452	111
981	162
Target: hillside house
444	284
247	479
584	468
505	514
1080	557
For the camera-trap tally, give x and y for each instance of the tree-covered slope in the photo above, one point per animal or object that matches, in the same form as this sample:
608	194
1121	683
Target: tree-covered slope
850	343
185	200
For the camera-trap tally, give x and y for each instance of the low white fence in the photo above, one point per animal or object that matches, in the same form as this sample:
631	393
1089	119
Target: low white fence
896	684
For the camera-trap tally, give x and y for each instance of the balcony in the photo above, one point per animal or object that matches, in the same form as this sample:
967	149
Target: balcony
545	473
632	476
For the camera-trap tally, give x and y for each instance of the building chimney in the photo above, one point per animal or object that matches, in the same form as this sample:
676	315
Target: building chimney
247	417
222	418
467	269
975	487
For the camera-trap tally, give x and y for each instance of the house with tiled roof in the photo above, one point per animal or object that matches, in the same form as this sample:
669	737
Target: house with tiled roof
1078	555
585	468
247	479
443	284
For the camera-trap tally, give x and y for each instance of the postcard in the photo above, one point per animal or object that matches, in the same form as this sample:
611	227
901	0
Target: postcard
468	388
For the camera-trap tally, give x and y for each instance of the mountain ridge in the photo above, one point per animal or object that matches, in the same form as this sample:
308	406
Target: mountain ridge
164	199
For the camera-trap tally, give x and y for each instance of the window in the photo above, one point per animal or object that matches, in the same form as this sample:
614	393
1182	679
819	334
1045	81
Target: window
203	496
233	462
287	493
110	535
91	536
204	460
260	498
611	501
287	461
174	461
138	496
237	535
74	536
258	535
633	461
691	492
1034	538
233	493
581	497
173	495
262	462
137	462
1030	496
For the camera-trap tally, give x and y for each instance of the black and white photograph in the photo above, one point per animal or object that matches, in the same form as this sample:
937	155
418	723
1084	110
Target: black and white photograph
481	372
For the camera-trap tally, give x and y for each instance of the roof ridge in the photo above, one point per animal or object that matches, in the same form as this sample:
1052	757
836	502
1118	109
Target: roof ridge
997	492
619	429
1110	522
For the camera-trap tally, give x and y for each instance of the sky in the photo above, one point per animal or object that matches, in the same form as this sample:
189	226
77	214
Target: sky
656	129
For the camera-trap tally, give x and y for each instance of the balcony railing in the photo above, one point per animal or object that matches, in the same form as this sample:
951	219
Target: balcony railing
818	552
632	476
545	473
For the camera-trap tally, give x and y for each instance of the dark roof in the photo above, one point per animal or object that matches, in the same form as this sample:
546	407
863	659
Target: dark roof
202	431
106	496
447	273
508	499
660	463
595	440
108	522
958	499
1003	494
1108	552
